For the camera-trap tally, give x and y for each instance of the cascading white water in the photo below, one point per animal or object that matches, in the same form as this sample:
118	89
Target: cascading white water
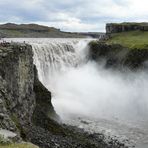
109	101
54	57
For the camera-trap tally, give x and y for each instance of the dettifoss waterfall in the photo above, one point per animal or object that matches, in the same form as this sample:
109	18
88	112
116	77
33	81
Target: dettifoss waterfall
87	95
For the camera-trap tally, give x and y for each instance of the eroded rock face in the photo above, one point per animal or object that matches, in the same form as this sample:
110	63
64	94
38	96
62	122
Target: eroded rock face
5	119
117	56
115	28
16	69
22	95
43	110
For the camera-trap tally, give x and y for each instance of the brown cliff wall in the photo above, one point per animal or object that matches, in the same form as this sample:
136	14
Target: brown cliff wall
122	27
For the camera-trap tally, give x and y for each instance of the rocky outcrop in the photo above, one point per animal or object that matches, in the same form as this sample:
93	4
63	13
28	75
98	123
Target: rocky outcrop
16	87
117	56
25	104
21	93
5	116
44	111
16	69
123	27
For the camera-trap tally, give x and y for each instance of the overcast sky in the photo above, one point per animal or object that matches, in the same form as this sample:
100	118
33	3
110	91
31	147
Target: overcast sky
73	15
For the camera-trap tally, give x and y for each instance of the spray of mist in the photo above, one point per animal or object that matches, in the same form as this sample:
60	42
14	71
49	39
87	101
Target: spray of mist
93	91
81	87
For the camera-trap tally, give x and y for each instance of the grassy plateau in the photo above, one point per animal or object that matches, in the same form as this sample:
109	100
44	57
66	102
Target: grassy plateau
131	39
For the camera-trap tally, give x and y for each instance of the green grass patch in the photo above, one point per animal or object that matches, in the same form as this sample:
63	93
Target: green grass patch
12	33
20	145
131	39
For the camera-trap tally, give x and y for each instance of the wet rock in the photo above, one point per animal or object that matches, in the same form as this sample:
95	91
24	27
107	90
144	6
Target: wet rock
2	116
117	56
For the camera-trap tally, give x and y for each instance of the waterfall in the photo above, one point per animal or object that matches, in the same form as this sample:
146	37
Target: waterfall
52	56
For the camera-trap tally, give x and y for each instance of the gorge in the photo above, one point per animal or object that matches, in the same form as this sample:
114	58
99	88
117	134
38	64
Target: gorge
88	93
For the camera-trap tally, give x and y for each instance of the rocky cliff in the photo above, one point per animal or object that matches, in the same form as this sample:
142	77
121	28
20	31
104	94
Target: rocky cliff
16	69
123	27
125	46
19	89
118	56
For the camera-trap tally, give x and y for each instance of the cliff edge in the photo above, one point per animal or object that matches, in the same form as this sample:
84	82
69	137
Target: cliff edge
19	91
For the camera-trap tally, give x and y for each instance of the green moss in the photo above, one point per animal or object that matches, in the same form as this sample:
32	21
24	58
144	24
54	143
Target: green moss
12	33
19	127
20	145
15	120
131	39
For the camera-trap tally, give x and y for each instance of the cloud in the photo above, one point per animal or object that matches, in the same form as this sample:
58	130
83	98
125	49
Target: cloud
76	26
70	15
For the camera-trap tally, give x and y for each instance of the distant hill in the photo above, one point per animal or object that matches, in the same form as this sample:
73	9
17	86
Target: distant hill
11	30
92	34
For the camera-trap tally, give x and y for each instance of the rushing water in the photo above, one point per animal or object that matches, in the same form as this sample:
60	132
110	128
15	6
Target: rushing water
85	94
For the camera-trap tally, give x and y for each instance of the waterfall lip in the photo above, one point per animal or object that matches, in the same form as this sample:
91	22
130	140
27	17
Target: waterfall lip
52	55
55	54
41	40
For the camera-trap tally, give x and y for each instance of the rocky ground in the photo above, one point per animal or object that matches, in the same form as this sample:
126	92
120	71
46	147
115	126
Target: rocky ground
74	138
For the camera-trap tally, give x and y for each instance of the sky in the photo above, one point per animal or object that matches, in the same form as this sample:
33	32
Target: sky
74	15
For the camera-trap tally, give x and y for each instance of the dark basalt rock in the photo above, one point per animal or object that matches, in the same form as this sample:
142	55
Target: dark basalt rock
136	58
16	69
117	56
43	101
